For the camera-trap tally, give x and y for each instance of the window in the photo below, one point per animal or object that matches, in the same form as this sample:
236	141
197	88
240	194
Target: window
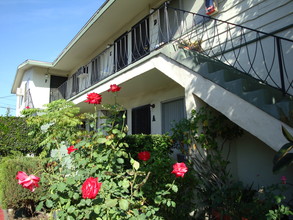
172	112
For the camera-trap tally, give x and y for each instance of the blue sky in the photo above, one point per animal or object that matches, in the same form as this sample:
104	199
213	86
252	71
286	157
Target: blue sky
36	30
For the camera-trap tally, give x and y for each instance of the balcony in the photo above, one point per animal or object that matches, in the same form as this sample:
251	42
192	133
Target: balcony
265	57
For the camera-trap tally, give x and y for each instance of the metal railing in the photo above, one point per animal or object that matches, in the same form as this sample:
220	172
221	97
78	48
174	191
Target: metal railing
266	57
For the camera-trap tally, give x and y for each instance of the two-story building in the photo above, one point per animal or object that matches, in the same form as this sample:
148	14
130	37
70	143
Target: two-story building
170	57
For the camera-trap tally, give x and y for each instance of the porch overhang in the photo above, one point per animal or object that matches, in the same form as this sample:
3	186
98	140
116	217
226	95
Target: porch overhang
162	72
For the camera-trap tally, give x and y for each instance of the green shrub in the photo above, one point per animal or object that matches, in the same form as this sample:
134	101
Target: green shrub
14	136
13	195
159	167
131	188
57	122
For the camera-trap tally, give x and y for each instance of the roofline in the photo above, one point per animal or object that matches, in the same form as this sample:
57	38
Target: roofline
25	66
85	28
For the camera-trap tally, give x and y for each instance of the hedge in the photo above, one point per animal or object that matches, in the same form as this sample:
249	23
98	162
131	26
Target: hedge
13	195
14	136
154	143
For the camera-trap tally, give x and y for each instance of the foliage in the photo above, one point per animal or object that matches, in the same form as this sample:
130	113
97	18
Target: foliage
11	194
236	200
57	122
203	137
14	137
206	138
130	189
280	211
158	144
284	157
159	167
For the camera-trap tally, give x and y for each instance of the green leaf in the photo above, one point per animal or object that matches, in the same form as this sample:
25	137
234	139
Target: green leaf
283	162
40	206
125	183
285	149
158	200
134	164
115	131
109	142
75	196
102	140
175	188
97	209
70	181
111	202
61	187
49	203
120	160
124	204
71	209
88	202
287	135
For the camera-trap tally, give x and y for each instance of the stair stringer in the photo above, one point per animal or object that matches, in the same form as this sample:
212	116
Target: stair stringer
252	119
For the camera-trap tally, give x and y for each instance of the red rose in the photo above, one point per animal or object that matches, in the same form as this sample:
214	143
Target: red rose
90	188
145	155
93	98
179	169
114	88
29	182
71	149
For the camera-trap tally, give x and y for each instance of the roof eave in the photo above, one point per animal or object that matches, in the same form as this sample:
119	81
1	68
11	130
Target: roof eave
25	66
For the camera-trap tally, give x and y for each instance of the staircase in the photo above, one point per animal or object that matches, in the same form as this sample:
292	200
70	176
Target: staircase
267	98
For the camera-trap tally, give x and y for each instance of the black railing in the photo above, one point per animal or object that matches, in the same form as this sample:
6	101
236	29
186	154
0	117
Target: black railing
266	57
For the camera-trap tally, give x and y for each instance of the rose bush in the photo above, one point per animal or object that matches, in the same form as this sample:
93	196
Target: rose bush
127	189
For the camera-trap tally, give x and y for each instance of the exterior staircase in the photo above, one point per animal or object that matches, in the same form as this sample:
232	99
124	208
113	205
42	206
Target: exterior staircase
267	98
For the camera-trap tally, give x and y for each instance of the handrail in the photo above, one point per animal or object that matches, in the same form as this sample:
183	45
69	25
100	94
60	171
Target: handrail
246	49
253	52
227	22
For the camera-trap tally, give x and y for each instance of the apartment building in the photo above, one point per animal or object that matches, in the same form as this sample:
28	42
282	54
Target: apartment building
170	57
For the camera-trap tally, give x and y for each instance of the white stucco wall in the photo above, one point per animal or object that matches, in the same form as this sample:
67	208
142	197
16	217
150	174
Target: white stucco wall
251	159
20	102
39	86
254	162
156	98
